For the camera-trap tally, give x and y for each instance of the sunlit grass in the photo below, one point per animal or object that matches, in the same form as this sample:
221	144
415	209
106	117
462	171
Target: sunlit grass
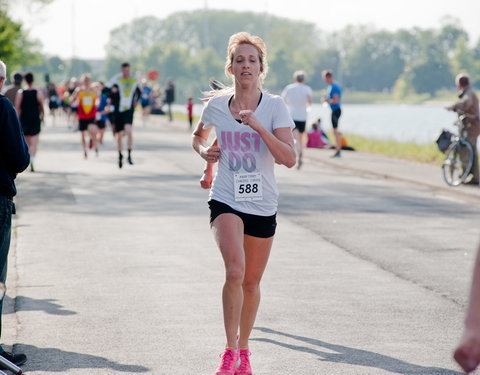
363	97
428	153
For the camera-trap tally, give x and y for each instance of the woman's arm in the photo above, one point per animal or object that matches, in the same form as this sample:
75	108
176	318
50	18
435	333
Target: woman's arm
207	179
335	99
211	154
280	143
18	102
40	103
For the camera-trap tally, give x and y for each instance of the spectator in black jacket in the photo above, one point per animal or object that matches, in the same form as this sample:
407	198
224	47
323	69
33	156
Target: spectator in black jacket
14	158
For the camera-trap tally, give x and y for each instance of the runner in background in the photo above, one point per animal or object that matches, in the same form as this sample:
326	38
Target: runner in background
29	105
102	111
11	91
190	111
146	100
129	95
298	97
86	100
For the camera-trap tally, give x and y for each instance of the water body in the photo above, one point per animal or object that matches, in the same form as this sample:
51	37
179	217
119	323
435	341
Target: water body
399	122
404	123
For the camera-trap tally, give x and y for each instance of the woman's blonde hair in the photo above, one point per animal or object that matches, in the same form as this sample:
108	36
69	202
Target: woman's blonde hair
253	40
236	40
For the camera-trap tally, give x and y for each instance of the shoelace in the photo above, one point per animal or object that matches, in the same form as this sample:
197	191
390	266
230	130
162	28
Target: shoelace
227	359
244	361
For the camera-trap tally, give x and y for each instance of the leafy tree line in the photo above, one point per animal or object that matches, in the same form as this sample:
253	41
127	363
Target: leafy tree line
190	48
15	46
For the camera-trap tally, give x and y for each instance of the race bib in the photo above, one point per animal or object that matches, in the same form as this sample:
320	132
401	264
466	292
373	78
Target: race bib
248	186
125	104
87	101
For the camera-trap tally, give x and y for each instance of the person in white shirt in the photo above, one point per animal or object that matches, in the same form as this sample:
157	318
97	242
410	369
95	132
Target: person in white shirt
298	97
254	130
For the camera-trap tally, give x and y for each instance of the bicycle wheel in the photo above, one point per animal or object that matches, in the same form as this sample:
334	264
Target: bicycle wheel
458	163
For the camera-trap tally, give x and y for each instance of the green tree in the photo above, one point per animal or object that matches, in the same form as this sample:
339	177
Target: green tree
464	60
204	65
190	47
327	58
374	64
129	40
280	72
14	43
430	76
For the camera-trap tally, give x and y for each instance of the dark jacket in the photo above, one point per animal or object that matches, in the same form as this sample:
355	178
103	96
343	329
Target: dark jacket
14	157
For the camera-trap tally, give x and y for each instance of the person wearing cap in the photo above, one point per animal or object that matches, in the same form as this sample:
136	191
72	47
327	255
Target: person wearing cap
14	158
468	105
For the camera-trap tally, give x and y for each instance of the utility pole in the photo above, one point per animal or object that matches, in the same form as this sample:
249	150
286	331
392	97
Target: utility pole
205	25
74	70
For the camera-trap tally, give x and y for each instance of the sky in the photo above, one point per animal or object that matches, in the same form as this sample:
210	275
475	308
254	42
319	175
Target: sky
82	28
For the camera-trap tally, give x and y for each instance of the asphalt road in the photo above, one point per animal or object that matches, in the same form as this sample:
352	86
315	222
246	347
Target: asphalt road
115	271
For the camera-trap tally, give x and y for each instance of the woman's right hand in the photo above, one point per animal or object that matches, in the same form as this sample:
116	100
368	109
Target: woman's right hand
211	154
206	180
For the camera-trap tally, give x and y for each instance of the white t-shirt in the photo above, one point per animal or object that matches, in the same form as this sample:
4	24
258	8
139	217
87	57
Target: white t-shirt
245	178
297	96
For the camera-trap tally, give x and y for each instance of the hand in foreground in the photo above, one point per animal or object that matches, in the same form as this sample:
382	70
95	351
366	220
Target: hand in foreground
467	353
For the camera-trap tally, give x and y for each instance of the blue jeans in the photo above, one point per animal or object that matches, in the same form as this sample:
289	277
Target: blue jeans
6	210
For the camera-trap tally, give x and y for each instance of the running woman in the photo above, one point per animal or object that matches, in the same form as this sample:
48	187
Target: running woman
254	131
87	101
129	94
29	105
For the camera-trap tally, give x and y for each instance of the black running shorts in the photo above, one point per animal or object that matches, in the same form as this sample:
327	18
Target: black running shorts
83	123
300	126
253	225
122	119
336	113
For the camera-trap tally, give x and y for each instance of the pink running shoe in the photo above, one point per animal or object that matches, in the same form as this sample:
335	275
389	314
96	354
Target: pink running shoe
227	363
244	368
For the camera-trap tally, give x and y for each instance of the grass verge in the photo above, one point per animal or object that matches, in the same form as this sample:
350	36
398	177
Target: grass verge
428	153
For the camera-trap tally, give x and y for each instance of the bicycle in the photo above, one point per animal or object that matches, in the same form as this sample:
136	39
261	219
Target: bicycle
458	157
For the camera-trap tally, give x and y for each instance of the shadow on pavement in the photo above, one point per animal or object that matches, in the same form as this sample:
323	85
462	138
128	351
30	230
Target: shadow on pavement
351	356
56	140
49	306
56	360
112	195
375	199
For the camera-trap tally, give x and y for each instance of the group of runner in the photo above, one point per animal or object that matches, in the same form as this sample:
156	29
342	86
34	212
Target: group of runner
91	105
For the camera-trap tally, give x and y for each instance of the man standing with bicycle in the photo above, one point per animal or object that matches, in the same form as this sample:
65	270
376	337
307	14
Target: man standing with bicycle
468	106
